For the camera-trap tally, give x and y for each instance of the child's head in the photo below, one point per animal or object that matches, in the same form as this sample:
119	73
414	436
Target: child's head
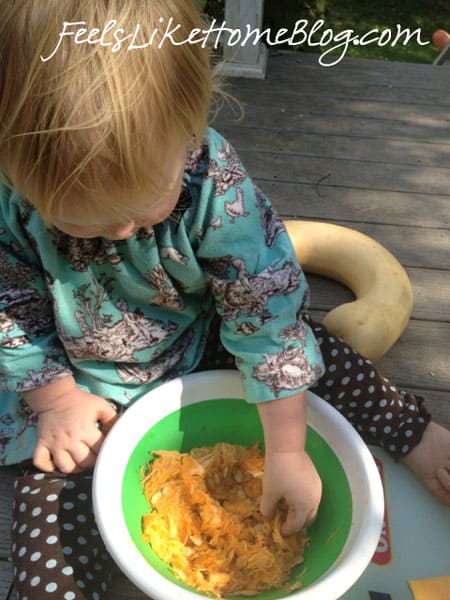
93	129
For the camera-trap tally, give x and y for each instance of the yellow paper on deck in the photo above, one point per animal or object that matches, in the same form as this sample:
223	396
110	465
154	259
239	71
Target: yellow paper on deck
433	588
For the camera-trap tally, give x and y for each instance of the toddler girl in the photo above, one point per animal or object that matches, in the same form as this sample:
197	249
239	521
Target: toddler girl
129	234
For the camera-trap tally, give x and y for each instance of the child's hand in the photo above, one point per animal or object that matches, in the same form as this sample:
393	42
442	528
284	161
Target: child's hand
292	476
69	438
288	471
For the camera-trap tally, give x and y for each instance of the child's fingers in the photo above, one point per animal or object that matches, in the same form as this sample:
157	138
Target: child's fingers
443	484
78	459
84	457
42	459
297	518
107	417
268	505
443	476
94	444
64	461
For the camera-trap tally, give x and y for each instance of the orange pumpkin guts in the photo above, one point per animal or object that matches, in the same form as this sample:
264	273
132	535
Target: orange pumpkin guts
205	521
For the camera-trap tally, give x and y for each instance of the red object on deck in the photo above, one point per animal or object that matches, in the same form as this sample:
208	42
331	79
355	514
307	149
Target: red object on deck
440	39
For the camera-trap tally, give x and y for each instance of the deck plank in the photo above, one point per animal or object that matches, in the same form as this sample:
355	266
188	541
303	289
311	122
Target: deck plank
341	144
418	83
363	175
5	578
420	247
356	126
6	500
342	202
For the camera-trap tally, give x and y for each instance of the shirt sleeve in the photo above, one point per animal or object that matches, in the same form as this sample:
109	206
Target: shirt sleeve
259	289
30	352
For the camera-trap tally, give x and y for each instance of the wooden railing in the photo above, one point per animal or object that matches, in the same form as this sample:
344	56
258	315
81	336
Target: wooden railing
248	60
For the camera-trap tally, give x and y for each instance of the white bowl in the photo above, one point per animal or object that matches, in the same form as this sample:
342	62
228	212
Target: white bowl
330	430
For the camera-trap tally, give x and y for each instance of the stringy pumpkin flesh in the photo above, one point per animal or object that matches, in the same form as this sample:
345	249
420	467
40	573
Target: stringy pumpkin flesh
205	521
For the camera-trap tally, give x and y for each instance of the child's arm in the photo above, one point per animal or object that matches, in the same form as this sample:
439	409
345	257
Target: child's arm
68	434
289	472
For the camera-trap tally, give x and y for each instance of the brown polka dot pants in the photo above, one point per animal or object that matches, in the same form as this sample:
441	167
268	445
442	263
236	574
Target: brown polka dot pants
57	550
382	414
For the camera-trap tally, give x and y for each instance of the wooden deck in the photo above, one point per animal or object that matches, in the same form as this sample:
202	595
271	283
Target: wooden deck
364	144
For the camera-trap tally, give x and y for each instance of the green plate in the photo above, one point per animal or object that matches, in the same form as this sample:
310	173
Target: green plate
212	421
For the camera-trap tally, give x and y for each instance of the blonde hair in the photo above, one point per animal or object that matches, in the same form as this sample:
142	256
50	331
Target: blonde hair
89	122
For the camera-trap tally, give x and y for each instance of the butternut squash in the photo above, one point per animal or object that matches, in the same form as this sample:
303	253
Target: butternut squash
375	320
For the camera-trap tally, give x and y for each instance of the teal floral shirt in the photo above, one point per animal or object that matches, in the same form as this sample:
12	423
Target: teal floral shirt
125	316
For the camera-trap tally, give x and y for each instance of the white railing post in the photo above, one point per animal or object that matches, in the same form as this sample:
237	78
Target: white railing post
248	60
